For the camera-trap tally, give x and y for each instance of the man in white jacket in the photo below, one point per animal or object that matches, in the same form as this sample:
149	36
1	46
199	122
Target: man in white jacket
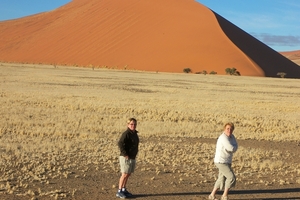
226	146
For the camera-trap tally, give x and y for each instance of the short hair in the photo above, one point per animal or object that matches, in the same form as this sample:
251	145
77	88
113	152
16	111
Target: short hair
131	119
230	124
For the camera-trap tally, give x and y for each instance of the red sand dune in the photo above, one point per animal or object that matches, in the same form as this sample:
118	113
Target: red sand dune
293	56
164	36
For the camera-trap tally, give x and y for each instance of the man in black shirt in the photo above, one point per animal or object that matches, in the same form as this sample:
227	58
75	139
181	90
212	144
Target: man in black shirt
129	147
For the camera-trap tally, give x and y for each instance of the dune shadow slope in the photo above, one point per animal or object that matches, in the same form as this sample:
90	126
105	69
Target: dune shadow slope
269	60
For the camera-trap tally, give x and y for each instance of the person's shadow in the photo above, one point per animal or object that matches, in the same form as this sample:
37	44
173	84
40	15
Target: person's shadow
237	192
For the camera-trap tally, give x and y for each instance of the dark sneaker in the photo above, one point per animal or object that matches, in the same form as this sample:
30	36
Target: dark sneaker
127	194
121	195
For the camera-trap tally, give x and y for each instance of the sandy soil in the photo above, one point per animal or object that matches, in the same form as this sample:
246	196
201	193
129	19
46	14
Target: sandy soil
149	184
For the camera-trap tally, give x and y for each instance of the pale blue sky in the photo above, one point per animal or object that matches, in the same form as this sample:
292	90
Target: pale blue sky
12	9
274	22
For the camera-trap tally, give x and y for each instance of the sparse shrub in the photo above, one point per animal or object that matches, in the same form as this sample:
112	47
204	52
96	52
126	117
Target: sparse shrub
204	72
232	71
187	70
228	71
281	74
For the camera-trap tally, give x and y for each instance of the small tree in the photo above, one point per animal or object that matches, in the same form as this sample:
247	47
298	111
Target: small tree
213	72
281	74
232	71
187	70
228	71
237	73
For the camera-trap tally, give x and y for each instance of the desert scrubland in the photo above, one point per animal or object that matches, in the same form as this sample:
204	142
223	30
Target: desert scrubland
59	129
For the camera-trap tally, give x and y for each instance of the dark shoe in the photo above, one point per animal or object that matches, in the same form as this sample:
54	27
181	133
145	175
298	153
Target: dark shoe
127	194
121	195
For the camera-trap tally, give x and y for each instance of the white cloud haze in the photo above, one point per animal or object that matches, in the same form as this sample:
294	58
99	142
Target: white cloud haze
278	40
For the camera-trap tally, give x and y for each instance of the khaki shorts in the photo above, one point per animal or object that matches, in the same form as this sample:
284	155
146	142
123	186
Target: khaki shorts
127	165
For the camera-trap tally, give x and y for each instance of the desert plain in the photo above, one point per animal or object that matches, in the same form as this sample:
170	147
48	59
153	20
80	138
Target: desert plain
60	126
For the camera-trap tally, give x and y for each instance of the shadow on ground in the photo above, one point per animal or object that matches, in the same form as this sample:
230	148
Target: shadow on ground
234	192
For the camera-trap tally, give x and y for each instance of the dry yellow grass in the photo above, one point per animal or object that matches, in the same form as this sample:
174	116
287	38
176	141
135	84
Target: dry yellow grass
52	116
74	102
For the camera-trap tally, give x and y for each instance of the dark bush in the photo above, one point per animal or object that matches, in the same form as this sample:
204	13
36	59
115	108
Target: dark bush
232	71
187	70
